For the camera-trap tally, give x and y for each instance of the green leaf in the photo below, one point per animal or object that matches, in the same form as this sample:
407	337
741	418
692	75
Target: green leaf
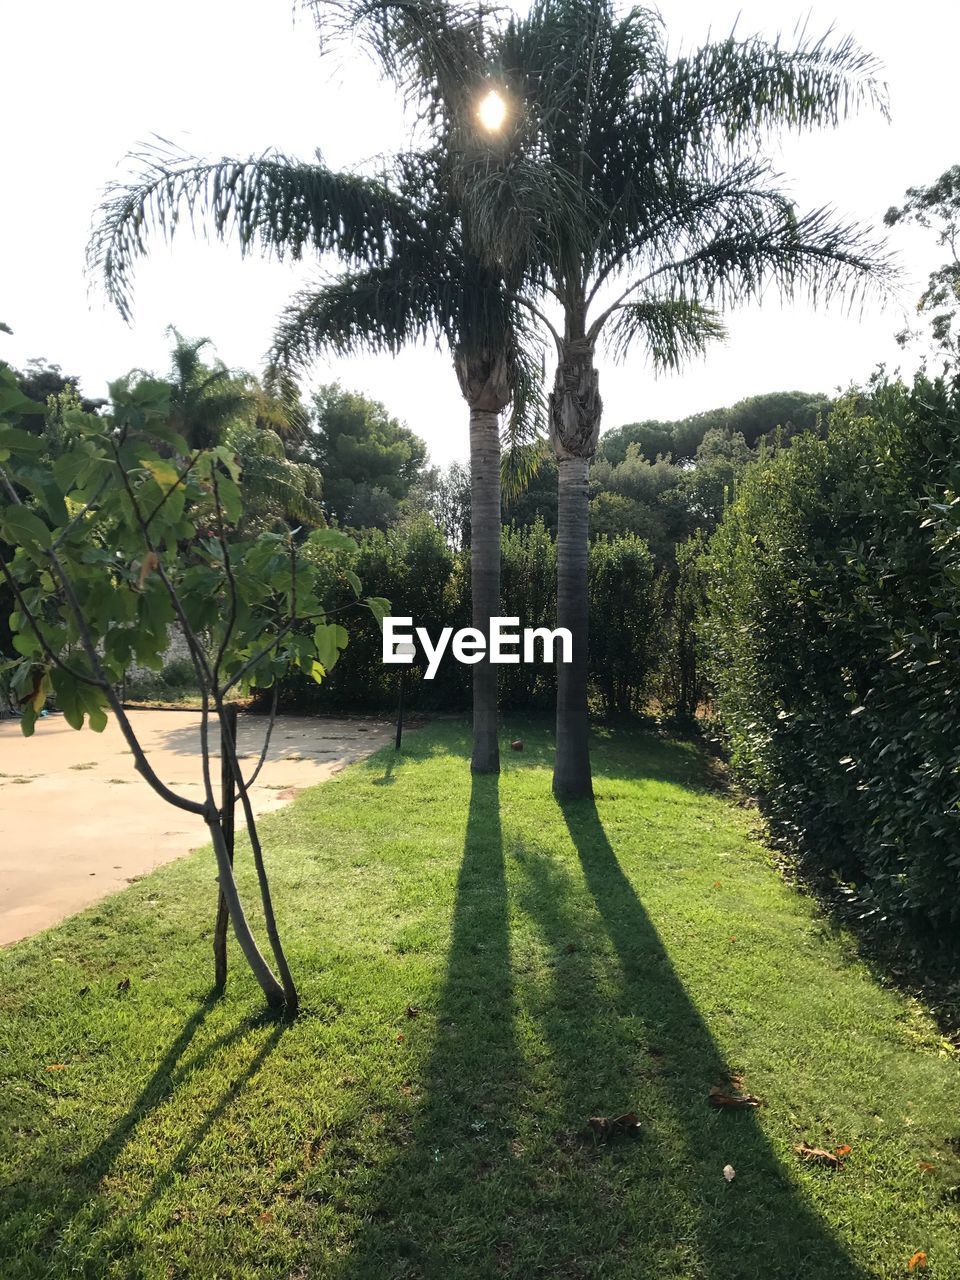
18	441
329	639
379	607
230	499
165	474
23	527
332	539
68	698
354	582
12	400
97	720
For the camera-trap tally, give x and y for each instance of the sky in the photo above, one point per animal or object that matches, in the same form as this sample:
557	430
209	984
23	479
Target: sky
90	83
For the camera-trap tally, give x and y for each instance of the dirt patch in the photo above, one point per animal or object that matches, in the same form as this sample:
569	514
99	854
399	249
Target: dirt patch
85	828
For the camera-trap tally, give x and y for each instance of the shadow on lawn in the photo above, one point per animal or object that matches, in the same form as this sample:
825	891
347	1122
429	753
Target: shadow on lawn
52	1194
501	1176
757	1227
428	1206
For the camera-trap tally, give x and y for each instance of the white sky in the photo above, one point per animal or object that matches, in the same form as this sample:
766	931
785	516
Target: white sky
83	84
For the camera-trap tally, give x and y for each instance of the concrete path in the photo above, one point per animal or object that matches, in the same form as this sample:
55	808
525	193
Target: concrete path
77	822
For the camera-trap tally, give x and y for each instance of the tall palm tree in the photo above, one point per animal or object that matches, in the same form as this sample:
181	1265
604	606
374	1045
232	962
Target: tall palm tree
634	193
414	276
433	286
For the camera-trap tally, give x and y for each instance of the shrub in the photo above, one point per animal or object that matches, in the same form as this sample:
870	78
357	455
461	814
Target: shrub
832	637
626	610
414	568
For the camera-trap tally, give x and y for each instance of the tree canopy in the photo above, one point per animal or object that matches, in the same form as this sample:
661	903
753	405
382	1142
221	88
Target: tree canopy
369	461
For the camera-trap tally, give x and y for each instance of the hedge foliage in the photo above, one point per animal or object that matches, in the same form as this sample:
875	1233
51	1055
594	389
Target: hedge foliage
832	639
415	569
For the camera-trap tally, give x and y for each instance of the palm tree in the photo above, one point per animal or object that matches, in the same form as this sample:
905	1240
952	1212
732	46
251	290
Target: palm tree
634	194
414	276
433	286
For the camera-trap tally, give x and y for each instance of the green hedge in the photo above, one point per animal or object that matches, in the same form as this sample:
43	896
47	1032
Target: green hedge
414	569
832	638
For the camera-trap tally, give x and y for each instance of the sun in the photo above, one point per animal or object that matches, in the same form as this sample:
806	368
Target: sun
492	111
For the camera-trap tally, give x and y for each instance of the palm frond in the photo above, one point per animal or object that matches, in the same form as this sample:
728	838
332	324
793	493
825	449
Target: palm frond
671	329
273	203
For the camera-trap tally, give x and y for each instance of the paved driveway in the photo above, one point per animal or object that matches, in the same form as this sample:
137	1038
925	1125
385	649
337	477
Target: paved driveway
77	822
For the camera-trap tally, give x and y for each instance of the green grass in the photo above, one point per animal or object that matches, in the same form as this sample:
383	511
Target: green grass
565	964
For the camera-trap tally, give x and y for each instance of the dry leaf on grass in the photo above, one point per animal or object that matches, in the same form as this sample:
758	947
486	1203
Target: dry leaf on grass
723	1098
918	1262
413	1011
817	1155
925	1166
729	1172
605	1127
56	1066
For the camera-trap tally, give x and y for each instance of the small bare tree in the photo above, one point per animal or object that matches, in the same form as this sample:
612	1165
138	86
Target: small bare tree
125	535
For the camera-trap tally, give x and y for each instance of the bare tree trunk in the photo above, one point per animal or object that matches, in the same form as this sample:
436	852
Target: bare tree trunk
228	724
262	972
485	578
571	772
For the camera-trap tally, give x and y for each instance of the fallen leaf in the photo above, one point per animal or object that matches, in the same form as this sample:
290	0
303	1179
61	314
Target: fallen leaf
400	1036
123	984
925	1166
83	991
716	884
918	1262
413	1011
607	1127
266	1216
843	1150
729	1172
720	1098
516	745
817	1155
56	1066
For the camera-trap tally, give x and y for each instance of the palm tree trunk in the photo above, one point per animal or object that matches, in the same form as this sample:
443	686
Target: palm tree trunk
575	409
485	578
571	772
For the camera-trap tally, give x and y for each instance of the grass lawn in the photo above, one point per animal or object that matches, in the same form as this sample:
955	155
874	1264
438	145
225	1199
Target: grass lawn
565	964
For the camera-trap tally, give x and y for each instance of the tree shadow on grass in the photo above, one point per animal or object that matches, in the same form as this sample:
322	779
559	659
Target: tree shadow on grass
436	1210
501	1176
41	1211
638	1042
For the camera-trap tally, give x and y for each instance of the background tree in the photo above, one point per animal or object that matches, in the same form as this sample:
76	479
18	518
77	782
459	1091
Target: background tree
755	417
211	405
369	461
937	207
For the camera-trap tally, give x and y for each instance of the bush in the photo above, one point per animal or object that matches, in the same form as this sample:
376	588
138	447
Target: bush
832	637
413	567
625	622
682	688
